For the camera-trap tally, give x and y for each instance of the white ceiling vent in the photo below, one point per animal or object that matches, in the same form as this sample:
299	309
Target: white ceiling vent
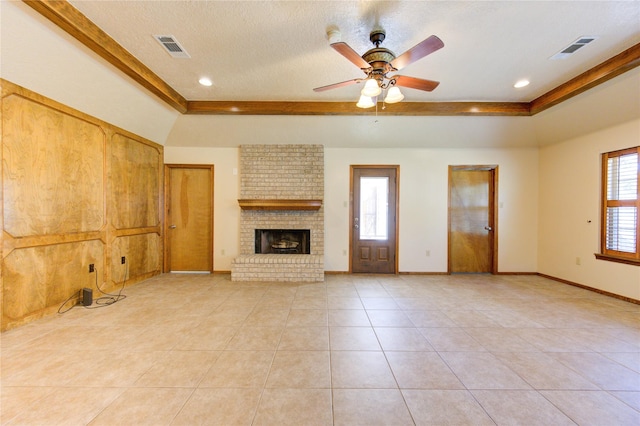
573	47
172	46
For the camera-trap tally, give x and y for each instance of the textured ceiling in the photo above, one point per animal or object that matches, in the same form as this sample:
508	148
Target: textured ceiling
279	51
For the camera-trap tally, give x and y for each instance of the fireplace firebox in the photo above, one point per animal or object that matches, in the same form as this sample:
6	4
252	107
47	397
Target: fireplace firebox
283	241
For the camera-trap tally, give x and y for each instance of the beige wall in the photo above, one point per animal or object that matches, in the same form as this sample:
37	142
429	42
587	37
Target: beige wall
570	211
423	203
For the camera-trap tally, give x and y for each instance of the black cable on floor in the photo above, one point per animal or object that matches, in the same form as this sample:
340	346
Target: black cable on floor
76	294
109	299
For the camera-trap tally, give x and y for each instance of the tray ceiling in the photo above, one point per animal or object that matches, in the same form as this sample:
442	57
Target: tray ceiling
258	51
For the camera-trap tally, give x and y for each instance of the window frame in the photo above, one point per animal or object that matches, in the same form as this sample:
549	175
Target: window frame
605	253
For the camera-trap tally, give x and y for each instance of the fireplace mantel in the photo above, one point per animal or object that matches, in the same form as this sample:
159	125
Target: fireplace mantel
280	204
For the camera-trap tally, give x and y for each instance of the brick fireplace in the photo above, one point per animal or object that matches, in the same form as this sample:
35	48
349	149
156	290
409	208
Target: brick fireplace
281	189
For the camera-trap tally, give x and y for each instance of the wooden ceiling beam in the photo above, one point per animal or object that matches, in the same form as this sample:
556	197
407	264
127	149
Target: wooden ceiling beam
349	108
69	19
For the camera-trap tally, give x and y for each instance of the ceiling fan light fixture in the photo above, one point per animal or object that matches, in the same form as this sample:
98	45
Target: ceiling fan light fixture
365	102
371	88
376	63
394	95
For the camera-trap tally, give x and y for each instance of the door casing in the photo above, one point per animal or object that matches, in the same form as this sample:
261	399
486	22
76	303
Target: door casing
492	213
167	205
352	209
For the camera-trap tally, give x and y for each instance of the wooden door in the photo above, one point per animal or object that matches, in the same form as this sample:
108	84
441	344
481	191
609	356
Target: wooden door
188	218
472	219
374	201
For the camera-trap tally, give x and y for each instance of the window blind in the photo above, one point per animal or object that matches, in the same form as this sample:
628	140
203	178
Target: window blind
622	177
621	229
621	211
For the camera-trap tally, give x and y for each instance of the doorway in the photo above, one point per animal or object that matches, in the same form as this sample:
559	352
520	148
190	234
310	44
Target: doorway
188	227
374	225
472	219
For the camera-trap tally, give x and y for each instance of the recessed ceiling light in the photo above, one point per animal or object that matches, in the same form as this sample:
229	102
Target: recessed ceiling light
521	83
205	81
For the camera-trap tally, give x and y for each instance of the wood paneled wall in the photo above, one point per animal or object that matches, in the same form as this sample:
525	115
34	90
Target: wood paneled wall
75	191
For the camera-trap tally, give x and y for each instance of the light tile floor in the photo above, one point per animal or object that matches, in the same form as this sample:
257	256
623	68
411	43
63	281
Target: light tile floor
354	350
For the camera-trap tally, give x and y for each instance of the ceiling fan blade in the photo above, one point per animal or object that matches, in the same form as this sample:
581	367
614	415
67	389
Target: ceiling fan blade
420	50
345	50
416	83
336	85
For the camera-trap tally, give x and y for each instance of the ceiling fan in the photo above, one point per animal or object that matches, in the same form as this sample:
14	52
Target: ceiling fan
378	62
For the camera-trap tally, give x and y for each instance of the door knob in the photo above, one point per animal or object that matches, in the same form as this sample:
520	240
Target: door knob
172	227
488	228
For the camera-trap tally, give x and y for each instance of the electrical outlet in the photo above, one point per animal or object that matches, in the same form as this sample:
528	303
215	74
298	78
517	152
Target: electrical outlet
91	268
123	260
578	262
428	253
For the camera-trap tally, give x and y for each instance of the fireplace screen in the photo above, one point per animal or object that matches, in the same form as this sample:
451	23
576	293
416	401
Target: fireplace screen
283	241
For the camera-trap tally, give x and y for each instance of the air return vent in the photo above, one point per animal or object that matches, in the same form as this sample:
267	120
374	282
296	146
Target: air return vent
172	46
573	47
